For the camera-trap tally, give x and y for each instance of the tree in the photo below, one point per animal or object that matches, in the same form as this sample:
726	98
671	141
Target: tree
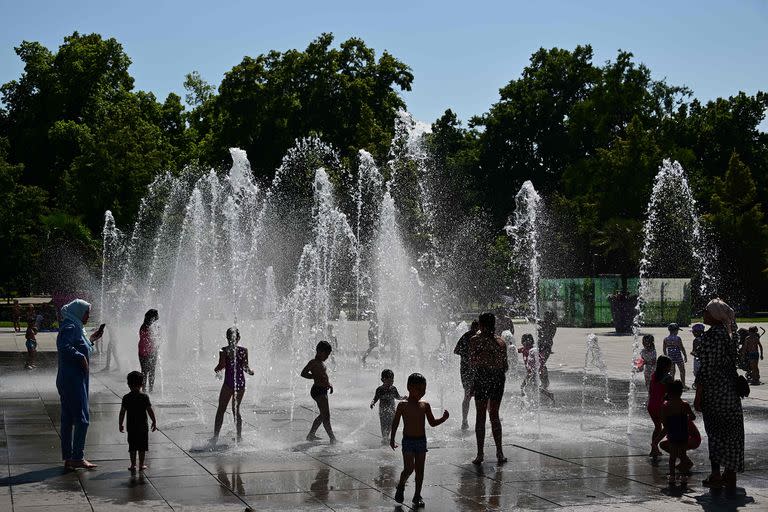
738	221
345	96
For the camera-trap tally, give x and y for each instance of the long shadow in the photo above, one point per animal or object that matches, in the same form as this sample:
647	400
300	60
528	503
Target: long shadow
719	500
30	477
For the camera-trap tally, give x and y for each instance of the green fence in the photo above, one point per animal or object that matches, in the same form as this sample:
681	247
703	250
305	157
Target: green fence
583	301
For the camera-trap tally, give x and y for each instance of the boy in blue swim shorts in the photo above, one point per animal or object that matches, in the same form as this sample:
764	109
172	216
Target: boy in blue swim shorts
413	411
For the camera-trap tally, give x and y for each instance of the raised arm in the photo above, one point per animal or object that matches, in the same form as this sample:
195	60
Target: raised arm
395	425
431	419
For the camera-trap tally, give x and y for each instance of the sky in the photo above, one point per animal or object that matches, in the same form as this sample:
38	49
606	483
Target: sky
461	53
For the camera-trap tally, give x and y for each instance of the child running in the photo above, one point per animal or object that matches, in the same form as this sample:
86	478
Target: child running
697	330
675	414
658	389
648	359
674	350
316	371
233	359
136	405
31	345
386	394
413	411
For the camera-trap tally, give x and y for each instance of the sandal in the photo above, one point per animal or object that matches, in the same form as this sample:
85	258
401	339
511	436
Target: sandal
713	482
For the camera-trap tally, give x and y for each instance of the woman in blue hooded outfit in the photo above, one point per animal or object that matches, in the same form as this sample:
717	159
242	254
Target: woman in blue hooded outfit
74	349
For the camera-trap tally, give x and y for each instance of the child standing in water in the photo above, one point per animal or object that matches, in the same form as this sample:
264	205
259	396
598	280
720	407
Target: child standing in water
233	359
675	351
316	371
386	394
31	345
414	412
648	357
753	351
658	389
697	330
675	414
137	405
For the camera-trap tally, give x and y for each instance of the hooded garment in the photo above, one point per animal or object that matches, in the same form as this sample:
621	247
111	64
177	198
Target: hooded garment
73	346
723	313
73	313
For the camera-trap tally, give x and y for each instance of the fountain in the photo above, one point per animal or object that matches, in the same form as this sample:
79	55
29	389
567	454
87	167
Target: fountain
671	221
593	358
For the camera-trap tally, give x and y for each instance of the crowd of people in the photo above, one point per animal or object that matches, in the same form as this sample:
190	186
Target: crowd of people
484	362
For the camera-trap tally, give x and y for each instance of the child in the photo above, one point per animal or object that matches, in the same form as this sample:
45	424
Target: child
31	345
751	346
315	370
233	359
674	349
697	330
413	412
136	405
648	359
656	392
386	394
675	415
16	316
533	365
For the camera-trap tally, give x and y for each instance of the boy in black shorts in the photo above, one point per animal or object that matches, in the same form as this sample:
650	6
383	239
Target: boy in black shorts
136	405
316	371
414	412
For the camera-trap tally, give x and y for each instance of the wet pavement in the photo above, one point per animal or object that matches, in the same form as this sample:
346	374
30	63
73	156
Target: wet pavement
564	456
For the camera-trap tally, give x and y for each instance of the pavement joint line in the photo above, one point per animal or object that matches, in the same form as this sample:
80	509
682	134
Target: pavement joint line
247	505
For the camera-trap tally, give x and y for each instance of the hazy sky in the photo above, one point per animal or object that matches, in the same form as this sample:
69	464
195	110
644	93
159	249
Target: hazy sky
461	53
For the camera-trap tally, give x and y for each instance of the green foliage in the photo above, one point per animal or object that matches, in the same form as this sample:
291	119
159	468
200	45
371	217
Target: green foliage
738	221
344	95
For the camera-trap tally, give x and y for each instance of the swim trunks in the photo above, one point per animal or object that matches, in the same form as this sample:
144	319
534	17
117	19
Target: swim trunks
414	444
318	391
31	344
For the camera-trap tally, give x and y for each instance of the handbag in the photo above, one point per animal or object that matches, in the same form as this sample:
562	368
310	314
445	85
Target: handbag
742	386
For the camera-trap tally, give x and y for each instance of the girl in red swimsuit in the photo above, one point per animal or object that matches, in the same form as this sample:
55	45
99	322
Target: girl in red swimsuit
658	389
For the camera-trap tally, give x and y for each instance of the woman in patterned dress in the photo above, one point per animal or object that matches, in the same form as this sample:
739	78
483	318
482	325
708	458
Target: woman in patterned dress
716	396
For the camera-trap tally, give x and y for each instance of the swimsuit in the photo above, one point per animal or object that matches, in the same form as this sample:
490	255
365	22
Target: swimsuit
489	384
414	444
677	428
674	343
31	344
318	391
234	371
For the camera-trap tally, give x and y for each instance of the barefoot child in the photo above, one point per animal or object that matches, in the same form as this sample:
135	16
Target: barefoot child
414	412
753	350
31	345
233	359
386	394
136	405
315	370
533	365
673	348
648	359
675	414
658	389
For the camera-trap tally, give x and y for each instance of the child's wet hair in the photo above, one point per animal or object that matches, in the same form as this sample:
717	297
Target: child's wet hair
675	389
135	379
648	338
474	326
753	329
527	339
488	320
387	374
324	346
233	334
416	379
